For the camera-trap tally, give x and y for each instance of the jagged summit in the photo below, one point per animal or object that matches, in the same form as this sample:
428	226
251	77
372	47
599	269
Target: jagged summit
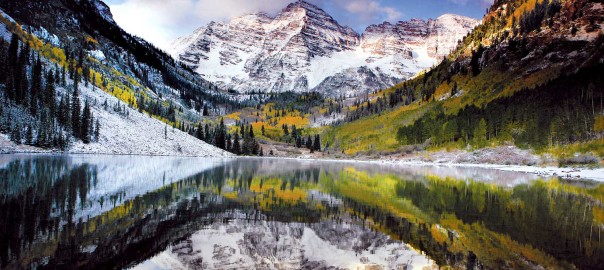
306	6
303	48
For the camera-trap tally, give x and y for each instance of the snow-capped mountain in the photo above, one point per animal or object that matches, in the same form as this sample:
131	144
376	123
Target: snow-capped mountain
303	48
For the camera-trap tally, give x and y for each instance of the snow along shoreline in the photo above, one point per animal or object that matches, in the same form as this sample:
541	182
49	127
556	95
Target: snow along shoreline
7	147
578	173
596	174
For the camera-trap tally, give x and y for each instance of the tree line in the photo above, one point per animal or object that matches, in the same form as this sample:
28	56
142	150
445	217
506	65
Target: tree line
29	109
241	142
560	112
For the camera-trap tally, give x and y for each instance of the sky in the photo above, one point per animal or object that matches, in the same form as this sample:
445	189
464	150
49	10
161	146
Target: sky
161	21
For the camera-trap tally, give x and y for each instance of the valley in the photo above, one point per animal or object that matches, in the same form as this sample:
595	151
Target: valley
274	136
444	90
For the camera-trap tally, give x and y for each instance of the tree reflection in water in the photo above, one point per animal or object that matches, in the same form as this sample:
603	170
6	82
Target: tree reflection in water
59	213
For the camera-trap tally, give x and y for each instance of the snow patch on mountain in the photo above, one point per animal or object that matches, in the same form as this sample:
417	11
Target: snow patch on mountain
104	10
304	49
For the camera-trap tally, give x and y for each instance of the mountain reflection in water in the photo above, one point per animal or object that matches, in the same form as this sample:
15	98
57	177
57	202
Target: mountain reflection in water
113	212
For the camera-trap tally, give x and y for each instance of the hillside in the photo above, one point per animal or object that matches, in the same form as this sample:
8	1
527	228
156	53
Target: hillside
529	75
80	84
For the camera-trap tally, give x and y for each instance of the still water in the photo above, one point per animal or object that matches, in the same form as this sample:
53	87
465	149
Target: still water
128	212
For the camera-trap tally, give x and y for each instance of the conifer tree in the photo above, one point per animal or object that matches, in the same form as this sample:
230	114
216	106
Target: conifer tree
199	132
12	77
86	123
50	93
16	134
36	85
236	145
309	143
220	136
75	114
97	130
29	137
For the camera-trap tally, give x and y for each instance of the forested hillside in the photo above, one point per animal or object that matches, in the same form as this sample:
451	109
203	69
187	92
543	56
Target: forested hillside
530	75
52	66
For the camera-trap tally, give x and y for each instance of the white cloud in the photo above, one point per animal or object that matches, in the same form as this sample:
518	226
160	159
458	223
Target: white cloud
220	10
369	11
161	21
482	3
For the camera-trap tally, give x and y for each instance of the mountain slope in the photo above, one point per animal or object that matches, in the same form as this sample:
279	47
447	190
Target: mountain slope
527	76
79	83
304	49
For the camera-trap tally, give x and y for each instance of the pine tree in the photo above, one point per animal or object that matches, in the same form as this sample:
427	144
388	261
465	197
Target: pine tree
29	137
12	77
86	124
97	130
63	77
229	143
50	93
36	86
21	78
220	136
41	137
236	145
208	135
16	134
199	133
309	143
317	144
76	126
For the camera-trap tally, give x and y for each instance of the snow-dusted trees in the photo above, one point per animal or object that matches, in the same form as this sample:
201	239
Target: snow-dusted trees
28	97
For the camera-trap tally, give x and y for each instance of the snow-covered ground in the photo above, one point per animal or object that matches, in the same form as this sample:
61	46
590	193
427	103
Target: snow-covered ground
137	133
130	133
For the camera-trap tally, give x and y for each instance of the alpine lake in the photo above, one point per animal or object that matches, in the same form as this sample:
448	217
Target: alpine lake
135	212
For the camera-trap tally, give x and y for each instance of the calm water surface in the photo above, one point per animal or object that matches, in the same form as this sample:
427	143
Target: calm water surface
120	212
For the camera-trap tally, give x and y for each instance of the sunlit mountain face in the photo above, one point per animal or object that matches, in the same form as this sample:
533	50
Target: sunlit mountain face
95	213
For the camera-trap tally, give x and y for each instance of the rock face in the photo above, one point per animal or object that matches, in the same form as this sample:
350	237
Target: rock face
304	49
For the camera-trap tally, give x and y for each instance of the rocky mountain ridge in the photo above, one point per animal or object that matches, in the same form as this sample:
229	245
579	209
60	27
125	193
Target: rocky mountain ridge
304	49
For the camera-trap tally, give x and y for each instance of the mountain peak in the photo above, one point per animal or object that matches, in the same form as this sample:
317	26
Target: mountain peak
310	10
303	48
304	5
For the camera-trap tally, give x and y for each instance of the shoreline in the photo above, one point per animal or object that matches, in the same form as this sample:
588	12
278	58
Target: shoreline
570	173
